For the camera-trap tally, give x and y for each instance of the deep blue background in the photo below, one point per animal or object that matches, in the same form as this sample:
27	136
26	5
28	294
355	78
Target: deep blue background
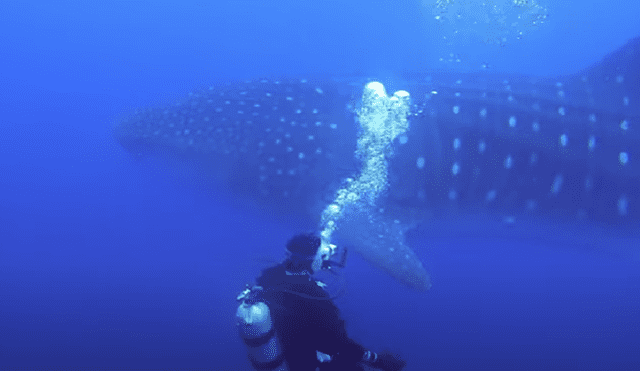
110	263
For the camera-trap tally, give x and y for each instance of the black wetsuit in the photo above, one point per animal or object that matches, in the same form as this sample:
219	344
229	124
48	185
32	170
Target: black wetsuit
306	321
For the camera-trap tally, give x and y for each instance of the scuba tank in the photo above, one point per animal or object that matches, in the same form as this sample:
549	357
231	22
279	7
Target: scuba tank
256	330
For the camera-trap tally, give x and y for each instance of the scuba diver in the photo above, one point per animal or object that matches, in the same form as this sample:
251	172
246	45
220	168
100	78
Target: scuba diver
289	321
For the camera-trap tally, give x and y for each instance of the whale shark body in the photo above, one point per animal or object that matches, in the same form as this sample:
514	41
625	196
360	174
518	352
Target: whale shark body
522	150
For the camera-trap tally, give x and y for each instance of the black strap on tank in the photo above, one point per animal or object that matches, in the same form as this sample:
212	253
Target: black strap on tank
256	342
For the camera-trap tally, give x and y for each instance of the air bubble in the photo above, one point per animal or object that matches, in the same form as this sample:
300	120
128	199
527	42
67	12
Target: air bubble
512	121
420	162
456	109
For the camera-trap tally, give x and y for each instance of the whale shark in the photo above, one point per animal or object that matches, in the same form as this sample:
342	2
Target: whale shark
522	150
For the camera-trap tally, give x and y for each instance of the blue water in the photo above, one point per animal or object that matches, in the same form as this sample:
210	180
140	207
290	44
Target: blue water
107	263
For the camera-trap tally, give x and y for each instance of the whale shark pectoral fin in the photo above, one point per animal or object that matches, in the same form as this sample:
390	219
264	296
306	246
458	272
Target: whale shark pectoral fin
380	240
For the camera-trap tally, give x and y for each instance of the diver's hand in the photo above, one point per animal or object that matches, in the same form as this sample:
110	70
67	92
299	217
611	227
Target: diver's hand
389	362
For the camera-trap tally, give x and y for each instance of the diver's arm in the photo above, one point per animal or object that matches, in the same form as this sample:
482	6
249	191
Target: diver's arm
332	338
345	351
384	361
348	353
